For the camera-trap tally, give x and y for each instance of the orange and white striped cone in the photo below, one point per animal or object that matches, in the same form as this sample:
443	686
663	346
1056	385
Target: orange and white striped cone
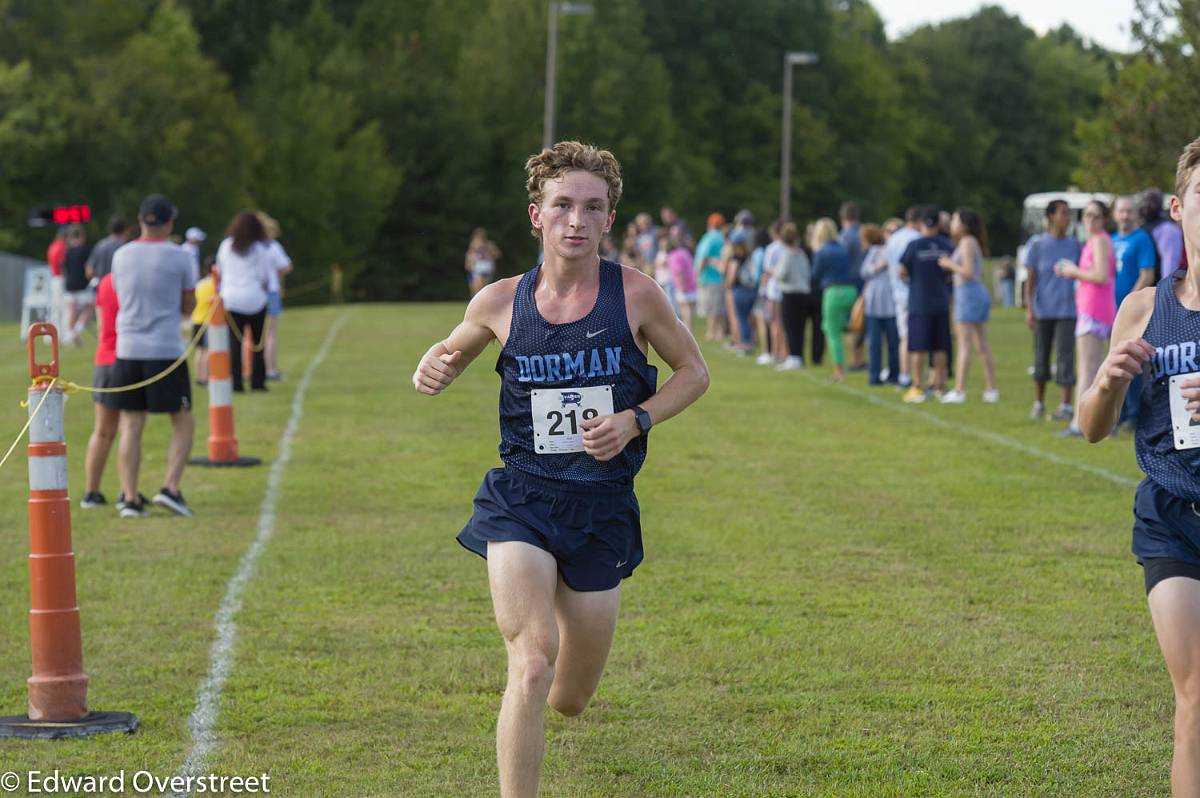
58	686
222	443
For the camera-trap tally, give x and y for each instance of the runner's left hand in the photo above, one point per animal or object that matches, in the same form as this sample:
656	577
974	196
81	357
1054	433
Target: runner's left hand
605	437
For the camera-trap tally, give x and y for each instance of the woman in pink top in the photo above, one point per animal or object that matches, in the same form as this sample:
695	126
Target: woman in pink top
1095	301
683	276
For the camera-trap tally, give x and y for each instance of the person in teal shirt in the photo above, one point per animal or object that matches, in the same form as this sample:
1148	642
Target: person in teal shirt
712	292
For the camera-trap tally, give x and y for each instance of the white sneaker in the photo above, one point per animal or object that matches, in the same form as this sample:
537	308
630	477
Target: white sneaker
791	363
953	397
1038	410
764	359
904	380
991	397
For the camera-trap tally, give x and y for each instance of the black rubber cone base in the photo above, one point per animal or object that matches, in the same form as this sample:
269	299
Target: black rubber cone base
95	723
241	462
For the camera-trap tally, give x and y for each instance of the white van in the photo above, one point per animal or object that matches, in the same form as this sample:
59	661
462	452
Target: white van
1033	221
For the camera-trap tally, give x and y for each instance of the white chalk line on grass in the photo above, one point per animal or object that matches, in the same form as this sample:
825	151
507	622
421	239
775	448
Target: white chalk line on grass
983	434
202	723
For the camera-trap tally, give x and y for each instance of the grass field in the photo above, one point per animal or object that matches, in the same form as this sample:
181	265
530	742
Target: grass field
841	596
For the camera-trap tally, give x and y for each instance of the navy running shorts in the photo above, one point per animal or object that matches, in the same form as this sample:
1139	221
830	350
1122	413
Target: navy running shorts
1165	528
593	531
928	332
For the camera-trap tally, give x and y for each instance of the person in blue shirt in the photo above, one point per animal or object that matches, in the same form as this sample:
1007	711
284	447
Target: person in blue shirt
1050	309
833	273
708	265
1134	249
1136	268
928	304
741	280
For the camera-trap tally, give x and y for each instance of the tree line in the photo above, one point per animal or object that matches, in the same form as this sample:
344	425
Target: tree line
381	133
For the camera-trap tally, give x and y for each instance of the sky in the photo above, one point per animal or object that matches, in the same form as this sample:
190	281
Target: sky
1104	21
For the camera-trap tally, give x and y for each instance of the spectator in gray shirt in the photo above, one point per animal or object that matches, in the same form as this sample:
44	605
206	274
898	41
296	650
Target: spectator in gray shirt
154	285
879	305
99	263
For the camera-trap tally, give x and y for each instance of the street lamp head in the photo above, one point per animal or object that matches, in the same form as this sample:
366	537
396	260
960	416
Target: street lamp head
802	57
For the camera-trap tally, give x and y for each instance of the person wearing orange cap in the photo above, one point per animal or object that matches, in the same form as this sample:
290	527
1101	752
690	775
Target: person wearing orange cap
708	264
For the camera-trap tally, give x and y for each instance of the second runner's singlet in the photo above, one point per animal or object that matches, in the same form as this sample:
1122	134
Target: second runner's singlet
1174	332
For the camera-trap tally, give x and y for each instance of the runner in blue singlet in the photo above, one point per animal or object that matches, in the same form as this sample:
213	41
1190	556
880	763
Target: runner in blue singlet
559	524
1157	332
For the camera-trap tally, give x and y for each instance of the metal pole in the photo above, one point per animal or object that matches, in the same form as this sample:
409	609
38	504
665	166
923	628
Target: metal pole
551	64
785	154
785	158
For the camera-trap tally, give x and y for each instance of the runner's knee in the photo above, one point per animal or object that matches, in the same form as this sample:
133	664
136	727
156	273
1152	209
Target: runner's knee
532	673
1187	701
569	702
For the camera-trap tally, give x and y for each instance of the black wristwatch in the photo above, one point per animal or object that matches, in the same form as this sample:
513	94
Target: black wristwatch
644	421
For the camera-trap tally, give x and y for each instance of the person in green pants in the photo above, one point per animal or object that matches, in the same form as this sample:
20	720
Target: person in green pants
832	271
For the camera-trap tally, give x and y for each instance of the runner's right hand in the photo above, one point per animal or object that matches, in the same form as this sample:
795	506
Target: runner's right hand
435	372
1124	362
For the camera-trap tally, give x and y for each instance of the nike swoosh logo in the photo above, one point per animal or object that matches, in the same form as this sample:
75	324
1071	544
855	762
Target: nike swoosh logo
622	562
594	334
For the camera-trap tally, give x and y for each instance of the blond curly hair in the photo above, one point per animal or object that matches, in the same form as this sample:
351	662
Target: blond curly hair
570	156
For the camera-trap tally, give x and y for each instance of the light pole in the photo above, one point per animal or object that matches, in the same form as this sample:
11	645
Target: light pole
556	8
785	157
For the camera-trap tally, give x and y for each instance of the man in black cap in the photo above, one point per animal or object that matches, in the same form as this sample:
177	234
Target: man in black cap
154	285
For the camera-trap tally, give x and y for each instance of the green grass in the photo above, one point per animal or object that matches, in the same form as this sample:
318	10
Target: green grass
838	599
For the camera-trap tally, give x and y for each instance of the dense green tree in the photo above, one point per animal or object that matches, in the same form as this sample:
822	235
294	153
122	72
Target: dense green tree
613	91
159	117
1152	106
867	114
324	174
1135	142
33	130
381	132
725	61
52	34
107	127
999	106
439	140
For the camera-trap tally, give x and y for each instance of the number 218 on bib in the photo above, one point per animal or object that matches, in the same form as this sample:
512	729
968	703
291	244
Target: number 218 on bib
559	413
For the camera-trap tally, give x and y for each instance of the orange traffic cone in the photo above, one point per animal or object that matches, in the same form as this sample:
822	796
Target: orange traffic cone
58	686
222	443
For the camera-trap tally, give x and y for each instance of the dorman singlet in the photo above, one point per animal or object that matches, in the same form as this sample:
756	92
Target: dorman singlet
553	376
1174	332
